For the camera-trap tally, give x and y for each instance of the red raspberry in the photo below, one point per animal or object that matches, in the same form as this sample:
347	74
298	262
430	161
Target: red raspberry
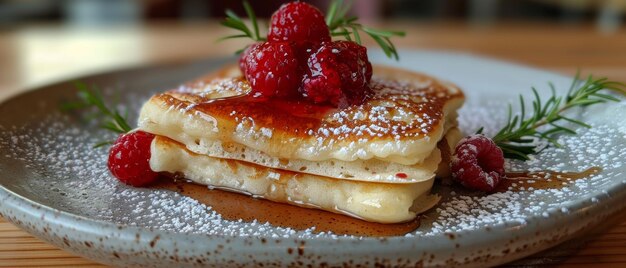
272	69
129	159
245	55
298	22
478	163
338	73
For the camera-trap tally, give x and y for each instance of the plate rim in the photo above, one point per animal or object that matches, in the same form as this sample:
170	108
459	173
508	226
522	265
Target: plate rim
18	203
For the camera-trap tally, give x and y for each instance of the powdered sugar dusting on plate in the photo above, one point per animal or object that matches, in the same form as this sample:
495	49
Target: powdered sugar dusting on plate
57	151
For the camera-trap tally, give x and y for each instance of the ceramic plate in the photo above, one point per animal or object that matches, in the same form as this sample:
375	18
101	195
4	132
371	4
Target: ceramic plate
55	186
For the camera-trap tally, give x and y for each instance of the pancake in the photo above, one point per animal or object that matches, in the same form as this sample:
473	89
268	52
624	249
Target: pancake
377	202
402	123
374	170
376	161
395	132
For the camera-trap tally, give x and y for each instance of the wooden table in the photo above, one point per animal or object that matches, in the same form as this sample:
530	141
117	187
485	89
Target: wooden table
41	54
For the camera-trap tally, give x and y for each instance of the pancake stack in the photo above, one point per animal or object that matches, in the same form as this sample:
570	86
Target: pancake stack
375	161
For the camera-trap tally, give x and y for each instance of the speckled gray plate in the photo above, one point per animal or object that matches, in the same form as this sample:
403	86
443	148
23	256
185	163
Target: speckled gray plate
53	185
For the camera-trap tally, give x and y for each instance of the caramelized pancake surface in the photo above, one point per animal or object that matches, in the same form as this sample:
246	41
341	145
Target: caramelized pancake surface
401	123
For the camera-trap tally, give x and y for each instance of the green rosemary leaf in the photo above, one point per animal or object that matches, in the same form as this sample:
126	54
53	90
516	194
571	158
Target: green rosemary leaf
385	45
92	98
357	36
352	21
562	129
347	36
112	127
382	45
69	106
231	14
605	96
252	16
537	104
573	85
549	132
231	37
383	33
574	121
523	109
517	152
552	141
102	144
237	25
121	122
616	86
588	102
345	6
235	22
348	28
342	33
547	117
332	12
393	48
336	15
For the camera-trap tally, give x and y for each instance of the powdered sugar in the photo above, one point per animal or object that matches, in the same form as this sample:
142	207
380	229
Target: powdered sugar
65	172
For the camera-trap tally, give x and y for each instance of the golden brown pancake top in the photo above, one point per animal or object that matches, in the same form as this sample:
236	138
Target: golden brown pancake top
405	105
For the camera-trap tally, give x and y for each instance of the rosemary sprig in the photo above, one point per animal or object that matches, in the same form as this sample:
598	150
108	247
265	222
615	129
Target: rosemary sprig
92	98
235	22
518	137
347	27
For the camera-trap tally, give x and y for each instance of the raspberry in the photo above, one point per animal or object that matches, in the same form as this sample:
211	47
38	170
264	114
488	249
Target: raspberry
272	69
245	55
338	73
298	22
129	159
478	163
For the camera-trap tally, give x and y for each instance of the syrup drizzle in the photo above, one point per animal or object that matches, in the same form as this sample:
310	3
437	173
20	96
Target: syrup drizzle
234	206
396	109
520	181
293	106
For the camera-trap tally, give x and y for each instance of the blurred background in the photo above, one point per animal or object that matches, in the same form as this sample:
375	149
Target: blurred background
43	41
606	14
